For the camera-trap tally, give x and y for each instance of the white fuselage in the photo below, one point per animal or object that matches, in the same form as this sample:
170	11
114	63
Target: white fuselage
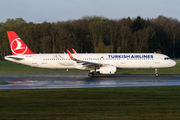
120	60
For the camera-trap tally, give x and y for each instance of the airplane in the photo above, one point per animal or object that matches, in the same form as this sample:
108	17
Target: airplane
103	63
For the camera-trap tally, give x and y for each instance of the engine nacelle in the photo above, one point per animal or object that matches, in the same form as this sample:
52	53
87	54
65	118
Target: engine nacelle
107	70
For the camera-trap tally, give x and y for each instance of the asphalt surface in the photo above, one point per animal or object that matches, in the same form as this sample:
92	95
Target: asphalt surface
82	81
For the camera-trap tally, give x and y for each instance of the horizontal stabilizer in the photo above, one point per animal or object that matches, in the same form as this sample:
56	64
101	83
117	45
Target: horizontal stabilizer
14	57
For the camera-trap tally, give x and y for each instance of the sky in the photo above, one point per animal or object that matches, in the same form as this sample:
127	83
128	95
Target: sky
38	11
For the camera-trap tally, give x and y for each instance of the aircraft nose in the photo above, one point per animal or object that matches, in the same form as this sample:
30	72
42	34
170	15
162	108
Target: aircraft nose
173	63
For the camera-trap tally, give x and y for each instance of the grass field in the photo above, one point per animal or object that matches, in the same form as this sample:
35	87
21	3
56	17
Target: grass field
10	68
135	103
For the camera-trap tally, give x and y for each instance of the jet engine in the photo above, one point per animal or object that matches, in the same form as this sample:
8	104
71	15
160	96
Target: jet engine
107	70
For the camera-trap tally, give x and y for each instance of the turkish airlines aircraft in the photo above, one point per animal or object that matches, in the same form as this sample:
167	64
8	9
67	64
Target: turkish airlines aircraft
104	63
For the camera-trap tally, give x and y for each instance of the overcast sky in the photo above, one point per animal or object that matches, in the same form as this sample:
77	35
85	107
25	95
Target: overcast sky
38	11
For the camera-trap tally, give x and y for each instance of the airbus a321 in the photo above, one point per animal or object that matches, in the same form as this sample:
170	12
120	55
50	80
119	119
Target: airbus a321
104	63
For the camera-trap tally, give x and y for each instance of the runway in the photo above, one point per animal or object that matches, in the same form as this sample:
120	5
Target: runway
82	81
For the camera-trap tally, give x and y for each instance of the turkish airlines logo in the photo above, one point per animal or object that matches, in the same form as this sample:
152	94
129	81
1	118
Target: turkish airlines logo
17	47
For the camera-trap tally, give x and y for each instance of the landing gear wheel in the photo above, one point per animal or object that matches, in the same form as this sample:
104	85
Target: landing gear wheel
156	74
91	74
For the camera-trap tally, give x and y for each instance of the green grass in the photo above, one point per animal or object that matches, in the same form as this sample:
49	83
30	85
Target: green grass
10	68
135	103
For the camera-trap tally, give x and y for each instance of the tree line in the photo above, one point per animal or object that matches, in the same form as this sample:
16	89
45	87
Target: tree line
96	34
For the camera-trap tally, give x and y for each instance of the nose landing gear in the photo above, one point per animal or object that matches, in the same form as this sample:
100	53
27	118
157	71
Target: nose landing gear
156	73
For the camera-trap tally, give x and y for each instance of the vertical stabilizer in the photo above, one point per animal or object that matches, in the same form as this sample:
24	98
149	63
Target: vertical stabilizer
18	47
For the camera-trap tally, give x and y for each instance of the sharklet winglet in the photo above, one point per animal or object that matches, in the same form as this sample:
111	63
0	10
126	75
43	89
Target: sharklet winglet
69	54
74	51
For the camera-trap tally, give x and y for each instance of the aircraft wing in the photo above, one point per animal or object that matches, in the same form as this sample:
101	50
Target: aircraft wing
87	64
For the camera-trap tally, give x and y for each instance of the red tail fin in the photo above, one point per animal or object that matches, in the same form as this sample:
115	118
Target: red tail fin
18	47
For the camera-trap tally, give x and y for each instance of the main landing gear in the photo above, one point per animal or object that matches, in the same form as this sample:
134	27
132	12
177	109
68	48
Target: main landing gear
91	74
156	73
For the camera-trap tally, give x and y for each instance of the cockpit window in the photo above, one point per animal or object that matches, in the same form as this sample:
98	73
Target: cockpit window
166	58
